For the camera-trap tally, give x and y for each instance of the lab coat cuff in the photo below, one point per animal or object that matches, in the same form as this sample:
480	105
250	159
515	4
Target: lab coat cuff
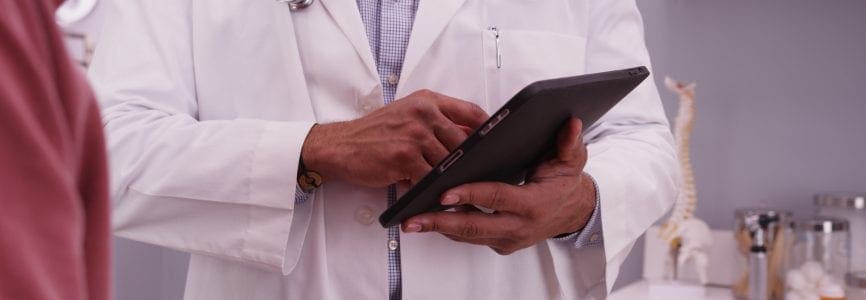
277	241
275	237
275	161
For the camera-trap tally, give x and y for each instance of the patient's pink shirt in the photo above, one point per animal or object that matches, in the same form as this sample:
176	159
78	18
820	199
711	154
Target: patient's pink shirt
54	239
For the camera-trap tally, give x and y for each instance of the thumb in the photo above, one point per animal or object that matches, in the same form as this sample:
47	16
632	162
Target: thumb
569	140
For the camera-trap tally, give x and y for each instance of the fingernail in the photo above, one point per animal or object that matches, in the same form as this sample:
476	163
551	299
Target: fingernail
450	199
413	227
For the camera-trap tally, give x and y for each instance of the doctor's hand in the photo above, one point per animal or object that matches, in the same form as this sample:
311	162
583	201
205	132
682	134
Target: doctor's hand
557	199
400	142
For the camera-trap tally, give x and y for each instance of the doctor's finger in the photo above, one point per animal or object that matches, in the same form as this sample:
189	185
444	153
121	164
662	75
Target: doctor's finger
490	242
412	169
497	196
461	112
434	152
449	134
569	145
468	225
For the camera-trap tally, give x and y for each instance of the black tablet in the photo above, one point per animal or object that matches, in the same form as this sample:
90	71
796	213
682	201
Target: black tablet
517	136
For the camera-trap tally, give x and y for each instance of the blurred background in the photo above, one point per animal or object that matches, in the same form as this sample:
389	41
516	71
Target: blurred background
781	100
781	113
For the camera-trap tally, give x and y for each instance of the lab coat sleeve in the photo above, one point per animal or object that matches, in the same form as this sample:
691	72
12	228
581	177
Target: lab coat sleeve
631	153
224	188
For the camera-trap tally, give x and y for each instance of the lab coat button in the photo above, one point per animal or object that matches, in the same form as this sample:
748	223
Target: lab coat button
393	79
364	215
393	244
372	100
366	106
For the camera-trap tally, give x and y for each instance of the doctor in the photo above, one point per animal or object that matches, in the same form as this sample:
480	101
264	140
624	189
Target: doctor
266	141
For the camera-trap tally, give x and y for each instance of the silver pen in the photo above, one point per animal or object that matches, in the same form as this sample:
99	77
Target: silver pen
496	35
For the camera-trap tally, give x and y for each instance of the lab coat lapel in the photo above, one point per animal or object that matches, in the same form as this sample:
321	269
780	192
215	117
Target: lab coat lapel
430	20
345	13
299	93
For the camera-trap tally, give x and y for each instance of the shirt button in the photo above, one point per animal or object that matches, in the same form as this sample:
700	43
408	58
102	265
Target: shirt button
393	79
364	215
594	237
393	244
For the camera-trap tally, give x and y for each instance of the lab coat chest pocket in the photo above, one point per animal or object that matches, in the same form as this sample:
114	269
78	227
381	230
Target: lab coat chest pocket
516	58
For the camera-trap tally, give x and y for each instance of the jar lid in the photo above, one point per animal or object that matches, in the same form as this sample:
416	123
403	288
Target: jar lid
823	224
857	280
850	201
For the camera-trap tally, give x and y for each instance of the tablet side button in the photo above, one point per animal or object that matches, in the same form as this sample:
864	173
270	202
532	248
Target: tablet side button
501	116
450	160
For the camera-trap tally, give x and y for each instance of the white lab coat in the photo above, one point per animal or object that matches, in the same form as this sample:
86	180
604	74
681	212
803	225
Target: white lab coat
207	103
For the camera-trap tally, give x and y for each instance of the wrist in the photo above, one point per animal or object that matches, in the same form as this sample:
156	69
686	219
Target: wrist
588	195
310	161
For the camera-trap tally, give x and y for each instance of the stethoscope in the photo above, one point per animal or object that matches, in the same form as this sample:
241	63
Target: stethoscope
297	4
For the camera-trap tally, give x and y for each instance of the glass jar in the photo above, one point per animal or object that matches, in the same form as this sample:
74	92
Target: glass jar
851	207
819	259
856	286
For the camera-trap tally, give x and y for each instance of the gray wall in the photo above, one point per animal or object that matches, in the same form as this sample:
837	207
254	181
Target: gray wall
780	113
781	99
146	272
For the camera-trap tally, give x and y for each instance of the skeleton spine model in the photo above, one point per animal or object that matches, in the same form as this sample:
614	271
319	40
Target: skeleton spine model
686	202
688	237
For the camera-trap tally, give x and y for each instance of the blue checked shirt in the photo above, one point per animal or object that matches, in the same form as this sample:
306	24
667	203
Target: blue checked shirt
388	25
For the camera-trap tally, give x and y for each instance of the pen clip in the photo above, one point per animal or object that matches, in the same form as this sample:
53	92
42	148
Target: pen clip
496	36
